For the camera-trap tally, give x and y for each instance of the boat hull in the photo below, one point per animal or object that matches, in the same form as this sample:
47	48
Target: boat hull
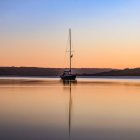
68	77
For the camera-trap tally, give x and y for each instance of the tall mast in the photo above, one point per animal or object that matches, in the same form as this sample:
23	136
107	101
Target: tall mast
70	48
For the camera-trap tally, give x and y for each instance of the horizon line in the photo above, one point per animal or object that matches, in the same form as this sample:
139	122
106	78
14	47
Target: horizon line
67	68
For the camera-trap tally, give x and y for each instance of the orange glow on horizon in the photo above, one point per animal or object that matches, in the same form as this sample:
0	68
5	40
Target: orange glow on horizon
42	53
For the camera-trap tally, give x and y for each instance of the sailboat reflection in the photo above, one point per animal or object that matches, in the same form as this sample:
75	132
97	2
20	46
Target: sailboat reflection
69	84
70	108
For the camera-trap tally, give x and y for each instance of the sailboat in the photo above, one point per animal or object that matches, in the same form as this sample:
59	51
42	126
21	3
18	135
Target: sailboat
67	74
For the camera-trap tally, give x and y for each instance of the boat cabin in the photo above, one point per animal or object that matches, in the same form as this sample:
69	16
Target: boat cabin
66	72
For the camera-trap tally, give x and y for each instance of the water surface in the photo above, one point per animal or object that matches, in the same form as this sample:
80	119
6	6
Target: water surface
89	109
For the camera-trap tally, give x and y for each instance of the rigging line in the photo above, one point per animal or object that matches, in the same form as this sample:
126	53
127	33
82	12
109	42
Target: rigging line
74	52
64	59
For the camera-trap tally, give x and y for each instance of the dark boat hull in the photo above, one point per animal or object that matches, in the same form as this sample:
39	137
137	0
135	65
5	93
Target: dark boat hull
68	77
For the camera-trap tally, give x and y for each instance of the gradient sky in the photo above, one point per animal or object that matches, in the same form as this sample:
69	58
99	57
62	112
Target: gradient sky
105	33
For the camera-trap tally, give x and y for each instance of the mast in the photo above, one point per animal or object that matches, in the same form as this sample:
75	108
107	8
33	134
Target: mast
70	48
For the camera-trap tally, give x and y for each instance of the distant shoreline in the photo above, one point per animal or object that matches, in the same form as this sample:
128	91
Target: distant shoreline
58	77
56	72
35	71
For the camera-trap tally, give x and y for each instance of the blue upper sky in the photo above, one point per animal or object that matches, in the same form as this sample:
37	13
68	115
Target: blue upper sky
51	13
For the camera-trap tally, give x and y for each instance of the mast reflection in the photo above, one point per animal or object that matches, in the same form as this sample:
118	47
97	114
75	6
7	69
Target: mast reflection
69	84
70	109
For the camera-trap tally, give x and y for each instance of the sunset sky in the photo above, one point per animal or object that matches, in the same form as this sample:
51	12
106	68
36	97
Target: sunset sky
105	33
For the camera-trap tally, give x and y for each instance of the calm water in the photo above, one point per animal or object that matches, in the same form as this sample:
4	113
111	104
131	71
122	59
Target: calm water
89	109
